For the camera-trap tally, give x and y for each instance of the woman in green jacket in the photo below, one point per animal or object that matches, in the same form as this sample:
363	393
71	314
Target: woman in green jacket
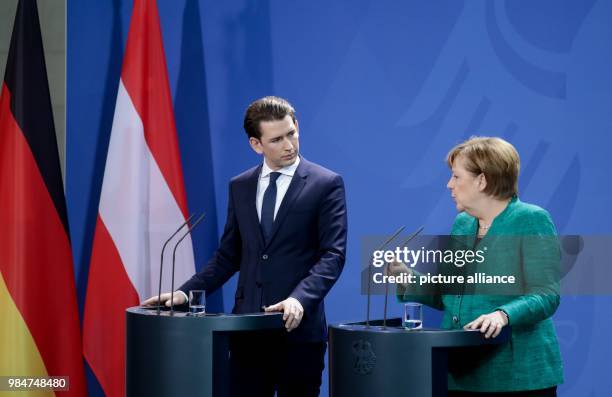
517	239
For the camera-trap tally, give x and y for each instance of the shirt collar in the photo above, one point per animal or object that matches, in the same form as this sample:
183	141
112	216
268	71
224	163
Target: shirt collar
288	170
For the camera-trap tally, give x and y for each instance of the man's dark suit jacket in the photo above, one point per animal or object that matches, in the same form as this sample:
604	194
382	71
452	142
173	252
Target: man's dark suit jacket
303	258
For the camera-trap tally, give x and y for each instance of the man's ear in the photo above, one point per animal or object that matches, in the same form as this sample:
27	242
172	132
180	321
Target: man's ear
256	145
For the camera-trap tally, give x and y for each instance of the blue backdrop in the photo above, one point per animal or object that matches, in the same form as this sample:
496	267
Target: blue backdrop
383	89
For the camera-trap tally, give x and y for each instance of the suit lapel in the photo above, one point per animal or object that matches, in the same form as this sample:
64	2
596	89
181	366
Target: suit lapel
295	188
252	204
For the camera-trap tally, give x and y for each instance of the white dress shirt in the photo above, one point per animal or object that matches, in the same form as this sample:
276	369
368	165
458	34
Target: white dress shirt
282	184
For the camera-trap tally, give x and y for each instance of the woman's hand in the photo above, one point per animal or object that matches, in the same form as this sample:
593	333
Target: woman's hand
489	324
396	268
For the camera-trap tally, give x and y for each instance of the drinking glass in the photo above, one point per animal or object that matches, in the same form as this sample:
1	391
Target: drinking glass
413	315
197	301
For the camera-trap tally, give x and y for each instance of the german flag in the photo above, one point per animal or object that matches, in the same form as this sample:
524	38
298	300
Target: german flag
39	324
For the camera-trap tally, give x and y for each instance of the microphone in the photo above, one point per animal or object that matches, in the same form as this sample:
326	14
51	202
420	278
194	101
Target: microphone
398	231
187	233
413	235
161	262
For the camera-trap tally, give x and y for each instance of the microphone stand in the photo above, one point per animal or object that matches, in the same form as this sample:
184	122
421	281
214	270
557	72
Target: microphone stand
413	235
383	245
161	263
174	259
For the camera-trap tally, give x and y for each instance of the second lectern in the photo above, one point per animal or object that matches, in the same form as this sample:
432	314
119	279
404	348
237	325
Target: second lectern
391	361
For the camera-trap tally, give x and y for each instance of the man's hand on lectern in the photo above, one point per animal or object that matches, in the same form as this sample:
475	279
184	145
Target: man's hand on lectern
179	299
292	312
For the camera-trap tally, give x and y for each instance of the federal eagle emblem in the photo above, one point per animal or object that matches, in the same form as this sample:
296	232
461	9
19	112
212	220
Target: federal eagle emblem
365	359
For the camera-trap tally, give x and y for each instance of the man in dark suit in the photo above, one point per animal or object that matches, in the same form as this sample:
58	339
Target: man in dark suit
286	234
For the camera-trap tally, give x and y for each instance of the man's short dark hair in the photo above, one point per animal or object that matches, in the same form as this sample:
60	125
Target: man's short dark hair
269	108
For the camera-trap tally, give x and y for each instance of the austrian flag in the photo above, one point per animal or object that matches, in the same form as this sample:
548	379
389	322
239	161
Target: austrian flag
142	202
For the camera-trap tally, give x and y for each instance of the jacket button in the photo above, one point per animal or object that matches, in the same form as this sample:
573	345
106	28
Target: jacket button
455	319
264	256
258	284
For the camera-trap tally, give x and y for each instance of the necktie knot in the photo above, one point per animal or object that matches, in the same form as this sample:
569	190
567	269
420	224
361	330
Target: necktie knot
274	176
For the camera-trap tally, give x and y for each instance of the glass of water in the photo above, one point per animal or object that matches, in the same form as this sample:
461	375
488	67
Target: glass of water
413	315
197	301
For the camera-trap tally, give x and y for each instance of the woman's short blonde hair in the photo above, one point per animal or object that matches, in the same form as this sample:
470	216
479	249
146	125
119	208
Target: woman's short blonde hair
494	157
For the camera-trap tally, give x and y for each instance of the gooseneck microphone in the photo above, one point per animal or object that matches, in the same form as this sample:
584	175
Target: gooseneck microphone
174	259
161	262
383	245
413	235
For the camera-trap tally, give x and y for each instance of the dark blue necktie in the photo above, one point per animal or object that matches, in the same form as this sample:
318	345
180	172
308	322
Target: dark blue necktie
267	206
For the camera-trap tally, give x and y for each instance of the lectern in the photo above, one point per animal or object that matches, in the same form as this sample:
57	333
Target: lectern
392	361
183	355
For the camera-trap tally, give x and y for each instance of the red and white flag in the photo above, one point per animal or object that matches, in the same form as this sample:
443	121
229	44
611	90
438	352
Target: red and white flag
142	202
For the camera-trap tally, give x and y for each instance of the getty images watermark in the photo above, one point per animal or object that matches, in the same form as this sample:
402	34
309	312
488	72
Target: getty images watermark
493	265
448	257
